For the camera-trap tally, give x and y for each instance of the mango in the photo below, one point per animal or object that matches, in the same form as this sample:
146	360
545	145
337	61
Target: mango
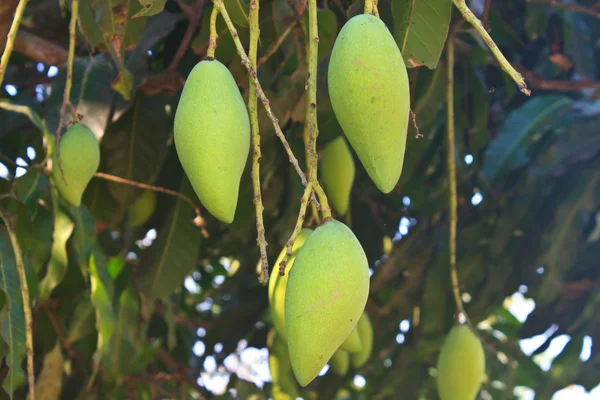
284	387
340	362
370	96
337	173
365	333
278	283
352	343
326	294
212	137
80	159
461	365
142	209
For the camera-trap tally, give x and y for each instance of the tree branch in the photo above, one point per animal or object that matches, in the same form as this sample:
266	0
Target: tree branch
10	40
539	82
40	49
568	7
486	15
194	14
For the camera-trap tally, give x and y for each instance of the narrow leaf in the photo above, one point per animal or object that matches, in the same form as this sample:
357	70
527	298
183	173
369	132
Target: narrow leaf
150	7
82	322
49	382
102	293
59	260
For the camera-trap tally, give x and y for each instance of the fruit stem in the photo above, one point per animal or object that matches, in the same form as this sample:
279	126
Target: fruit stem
10	39
259	91
26	304
473	20
371	7
299	222
256	153
212	40
198	221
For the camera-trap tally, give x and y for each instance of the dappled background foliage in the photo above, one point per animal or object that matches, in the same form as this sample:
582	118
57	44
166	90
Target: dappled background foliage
165	310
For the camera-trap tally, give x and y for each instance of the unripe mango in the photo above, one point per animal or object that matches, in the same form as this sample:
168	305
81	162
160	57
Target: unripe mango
352	343
370	96
278	283
461	365
326	294
284	387
142	209
80	159
365	332
340	362
337	173
212	137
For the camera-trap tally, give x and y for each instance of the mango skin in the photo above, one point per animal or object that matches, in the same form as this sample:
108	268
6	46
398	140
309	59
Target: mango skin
340	362
278	283
80	159
326	294
212	137
142	209
365	332
352	343
461	365
337	173
284	386
370	96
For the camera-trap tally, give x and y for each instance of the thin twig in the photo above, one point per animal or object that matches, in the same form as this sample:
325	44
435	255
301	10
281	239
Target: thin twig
259	91
569	7
256	152
277	44
413	116
371	7
473	20
297	228
198	221
539	82
486	15
10	40
194	15
212	39
26	304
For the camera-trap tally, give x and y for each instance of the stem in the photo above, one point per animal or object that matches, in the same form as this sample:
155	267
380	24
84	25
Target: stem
473	20
194	15
199	221
452	174
301	215
371	7
259	91
256	153
277	44
212	40
10	40
325	209
26	304
68	84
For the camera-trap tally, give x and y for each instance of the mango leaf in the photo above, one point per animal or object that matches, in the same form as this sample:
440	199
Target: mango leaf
30	187
59	259
20	219
12	318
84	235
102	294
49	383
238	11
507	151
174	253
421	30
150	7
89	26
82	322
135	146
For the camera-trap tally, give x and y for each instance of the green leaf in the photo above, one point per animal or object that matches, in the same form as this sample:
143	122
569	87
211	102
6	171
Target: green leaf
82	322
238	11
421	30
102	294
174	253
507	151
12	318
150	7
135	146
59	259
84	235
49	382
30	187
89	26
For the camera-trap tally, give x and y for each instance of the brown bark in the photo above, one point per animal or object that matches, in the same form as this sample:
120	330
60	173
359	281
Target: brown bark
40	49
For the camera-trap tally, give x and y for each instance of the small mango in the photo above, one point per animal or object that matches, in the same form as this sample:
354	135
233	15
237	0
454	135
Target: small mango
142	209
212	137
461	365
326	294
340	362
370	96
79	158
284	386
365	332
337	173
352	343
278	283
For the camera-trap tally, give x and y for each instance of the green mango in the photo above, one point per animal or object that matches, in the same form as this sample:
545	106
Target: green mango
340	362
212	137
284	385
352	343
337	173
370	96
326	294
461	365
80	159
365	332
278	283
142	209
